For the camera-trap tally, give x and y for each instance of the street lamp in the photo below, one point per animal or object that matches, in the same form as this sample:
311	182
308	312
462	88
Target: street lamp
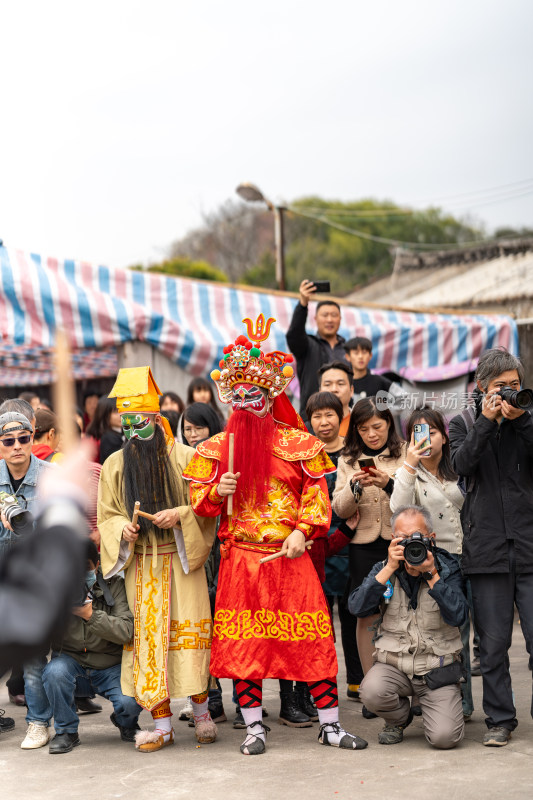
250	193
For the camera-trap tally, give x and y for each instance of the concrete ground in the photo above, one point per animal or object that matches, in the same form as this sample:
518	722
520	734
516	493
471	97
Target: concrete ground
295	765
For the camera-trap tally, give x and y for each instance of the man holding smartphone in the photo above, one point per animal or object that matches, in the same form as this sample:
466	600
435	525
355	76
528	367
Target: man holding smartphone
313	350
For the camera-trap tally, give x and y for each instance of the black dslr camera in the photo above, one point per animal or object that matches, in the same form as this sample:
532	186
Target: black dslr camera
416	548
518	398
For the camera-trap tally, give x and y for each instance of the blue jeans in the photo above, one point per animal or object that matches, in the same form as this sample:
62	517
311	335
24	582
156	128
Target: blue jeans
59	678
39	709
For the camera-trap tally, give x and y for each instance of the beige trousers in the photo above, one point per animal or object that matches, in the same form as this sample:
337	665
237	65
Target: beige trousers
385	690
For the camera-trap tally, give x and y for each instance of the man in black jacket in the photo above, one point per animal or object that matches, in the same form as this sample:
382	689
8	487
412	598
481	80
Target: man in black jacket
309	350
492	447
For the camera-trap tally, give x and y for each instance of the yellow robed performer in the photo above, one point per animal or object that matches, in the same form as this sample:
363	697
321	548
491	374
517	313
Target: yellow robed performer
162	559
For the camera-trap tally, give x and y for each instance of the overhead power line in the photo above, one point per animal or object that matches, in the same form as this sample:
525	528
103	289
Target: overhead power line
499	194
490	190
393	242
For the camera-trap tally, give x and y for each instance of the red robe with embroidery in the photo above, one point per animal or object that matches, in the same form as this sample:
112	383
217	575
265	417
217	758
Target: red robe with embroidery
271	620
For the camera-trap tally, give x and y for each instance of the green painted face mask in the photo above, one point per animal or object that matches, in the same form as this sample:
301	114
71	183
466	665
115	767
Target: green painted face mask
138	426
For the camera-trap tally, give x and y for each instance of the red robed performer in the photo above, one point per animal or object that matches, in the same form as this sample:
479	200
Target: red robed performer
271	620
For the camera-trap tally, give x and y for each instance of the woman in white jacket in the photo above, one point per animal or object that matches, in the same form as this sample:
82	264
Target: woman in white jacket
426	478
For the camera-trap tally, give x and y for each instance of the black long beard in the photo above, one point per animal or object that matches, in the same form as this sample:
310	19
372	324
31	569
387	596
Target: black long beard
149	478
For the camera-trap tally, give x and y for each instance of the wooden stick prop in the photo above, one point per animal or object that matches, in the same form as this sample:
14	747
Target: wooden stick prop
230	469
64	395
136	513
146	515
273	557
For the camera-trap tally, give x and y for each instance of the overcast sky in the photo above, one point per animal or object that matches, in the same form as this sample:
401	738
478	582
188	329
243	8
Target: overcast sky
121	122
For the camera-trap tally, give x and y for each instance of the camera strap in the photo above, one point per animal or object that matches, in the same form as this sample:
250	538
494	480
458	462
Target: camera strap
106	591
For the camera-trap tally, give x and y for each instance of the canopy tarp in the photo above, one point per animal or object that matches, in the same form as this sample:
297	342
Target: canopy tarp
191	321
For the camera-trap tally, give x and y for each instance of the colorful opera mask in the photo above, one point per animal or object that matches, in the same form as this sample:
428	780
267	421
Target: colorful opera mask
138	426
247	397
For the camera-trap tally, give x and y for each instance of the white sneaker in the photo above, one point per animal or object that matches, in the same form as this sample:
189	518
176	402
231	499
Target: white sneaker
186	712
36	736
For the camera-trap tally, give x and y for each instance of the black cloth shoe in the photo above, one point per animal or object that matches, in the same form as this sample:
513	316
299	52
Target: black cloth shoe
290	714
126	734
84	705
63	743
368	714
6	723
254	745
304	701
333	735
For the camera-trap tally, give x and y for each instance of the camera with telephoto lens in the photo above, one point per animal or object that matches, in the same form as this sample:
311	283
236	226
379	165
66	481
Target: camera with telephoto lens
18	517
416	548
518	398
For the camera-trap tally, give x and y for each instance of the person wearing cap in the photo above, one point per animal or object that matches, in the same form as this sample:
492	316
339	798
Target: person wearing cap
20	471
162	558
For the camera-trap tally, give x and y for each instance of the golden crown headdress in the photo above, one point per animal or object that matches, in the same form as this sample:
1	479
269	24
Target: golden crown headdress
245	362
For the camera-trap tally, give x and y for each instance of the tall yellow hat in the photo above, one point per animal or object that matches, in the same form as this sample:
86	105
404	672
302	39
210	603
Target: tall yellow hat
135	390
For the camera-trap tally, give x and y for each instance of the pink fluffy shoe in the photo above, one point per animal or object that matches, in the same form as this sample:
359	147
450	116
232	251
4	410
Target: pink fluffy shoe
150	741
205	729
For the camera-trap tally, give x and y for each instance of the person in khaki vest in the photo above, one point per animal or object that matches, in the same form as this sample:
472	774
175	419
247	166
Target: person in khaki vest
418	643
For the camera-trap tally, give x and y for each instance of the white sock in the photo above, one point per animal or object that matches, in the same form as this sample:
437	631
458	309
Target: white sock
326	716
164	725
199	710
330	716
251	715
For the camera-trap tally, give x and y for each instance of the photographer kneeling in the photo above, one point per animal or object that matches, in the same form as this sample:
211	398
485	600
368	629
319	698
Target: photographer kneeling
418	644
91	651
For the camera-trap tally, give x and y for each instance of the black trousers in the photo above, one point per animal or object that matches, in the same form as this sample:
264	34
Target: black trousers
354	670
494	596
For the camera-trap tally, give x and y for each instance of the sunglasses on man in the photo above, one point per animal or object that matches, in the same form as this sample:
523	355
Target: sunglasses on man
10	441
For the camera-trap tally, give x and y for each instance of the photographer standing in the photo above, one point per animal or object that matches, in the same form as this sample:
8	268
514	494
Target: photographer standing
418	644
492	447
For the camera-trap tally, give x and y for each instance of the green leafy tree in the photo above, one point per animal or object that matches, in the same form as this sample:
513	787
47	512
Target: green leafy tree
238	239
316	249
185	268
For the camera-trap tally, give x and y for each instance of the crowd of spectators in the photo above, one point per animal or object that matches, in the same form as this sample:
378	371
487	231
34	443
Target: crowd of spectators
431	538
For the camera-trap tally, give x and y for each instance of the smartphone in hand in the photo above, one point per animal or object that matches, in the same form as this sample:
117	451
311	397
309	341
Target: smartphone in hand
421	432
367	465
322	286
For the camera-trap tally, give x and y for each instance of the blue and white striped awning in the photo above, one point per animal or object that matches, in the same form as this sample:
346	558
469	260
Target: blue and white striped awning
191	321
